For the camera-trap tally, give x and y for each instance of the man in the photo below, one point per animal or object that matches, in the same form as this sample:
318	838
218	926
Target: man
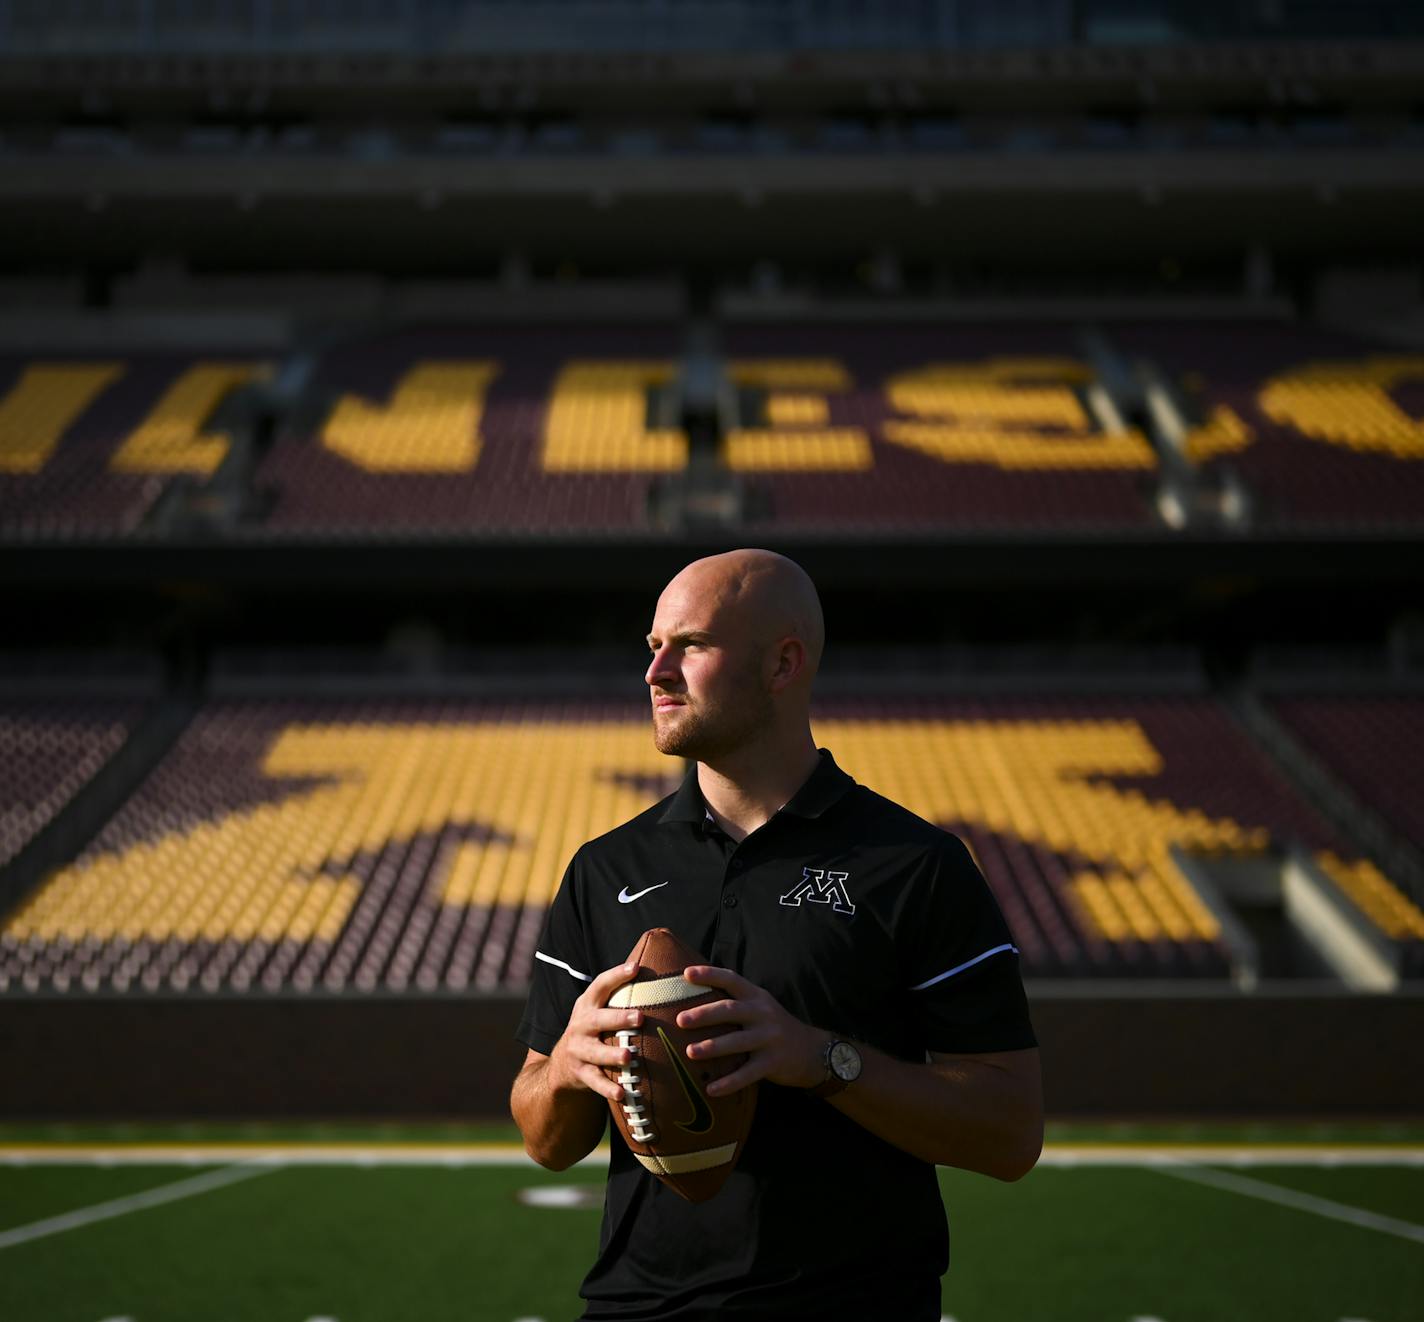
873	979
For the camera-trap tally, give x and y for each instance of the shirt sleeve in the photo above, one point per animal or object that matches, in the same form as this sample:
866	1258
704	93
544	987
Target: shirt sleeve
561	968
964	988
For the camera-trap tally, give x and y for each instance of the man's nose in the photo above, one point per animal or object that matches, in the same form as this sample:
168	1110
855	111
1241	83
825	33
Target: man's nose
661	670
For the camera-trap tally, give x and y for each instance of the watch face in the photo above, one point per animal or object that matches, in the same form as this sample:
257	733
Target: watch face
845	1062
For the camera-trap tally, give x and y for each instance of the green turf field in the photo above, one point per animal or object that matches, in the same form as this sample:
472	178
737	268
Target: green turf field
390	1224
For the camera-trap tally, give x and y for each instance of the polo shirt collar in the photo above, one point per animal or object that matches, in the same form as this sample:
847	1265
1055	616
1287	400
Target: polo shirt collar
826	783
821	788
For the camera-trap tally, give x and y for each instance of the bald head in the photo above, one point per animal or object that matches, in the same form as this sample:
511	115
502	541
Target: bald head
736	641
769	595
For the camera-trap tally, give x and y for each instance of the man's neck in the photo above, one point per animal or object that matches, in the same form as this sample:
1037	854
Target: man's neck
745	791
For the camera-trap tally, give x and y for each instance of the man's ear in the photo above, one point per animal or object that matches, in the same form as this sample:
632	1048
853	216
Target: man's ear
790	662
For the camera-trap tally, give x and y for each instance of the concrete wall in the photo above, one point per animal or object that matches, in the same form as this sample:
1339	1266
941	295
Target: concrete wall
1194	1053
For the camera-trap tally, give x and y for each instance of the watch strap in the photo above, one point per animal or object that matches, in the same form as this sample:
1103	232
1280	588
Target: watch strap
828	1087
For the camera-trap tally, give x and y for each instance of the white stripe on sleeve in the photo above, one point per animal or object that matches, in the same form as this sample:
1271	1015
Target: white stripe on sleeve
959	968
559	964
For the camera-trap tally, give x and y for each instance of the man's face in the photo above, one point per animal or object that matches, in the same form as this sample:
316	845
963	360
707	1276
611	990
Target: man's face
705	676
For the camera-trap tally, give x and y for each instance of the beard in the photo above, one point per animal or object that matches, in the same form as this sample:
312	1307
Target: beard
712	730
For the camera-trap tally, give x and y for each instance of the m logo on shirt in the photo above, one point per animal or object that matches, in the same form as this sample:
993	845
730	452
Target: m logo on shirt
820	887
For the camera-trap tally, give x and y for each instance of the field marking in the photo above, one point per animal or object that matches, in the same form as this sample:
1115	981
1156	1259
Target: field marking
1233	1154
273	1154
167	1193
564	1197
1293	1198
511	1154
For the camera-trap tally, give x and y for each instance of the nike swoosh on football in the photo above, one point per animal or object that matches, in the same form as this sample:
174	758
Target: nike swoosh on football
625	898
701	1120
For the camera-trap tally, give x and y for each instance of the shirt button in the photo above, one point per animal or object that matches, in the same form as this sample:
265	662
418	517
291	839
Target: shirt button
729	901
738	864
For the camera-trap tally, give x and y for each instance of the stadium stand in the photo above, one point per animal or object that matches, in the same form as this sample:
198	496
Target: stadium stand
87	446
914	426
1371	742
415	843
890	429
508	429
48	751
1324	427
382	335
862	429
300	842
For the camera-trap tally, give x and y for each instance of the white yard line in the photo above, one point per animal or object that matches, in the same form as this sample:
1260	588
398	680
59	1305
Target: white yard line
1191	1162
274	1154
1293	1198
168	1193
511	1154
1232	1154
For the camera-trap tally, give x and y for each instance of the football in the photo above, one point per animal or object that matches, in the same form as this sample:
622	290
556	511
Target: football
690	1141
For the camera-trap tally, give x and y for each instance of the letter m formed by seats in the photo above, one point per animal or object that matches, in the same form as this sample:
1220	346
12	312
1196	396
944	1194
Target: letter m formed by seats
820	887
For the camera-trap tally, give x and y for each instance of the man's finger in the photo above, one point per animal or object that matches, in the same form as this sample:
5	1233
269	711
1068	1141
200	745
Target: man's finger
737	1079
595	1080
610	1021
709	975
718	1012
729	1044
603	986
604	1054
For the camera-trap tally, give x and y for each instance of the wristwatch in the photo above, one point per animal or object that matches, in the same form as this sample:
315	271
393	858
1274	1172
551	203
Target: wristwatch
842	1067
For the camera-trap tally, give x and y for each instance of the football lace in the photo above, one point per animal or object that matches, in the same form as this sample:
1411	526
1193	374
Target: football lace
638	1124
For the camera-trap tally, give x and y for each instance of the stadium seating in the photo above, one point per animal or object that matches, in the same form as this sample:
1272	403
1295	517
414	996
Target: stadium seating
87	445
849	428
1326	429
517	429
1372	743
884	428
415	844
48	751
920	427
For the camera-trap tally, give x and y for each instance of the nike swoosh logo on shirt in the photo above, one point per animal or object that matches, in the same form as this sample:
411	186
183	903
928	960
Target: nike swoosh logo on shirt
625	898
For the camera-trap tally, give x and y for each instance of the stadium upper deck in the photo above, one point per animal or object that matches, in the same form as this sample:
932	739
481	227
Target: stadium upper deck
835	429
88	444
536	431
1325	429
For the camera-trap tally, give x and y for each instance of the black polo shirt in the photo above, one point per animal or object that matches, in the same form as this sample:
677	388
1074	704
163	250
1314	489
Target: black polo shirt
860	918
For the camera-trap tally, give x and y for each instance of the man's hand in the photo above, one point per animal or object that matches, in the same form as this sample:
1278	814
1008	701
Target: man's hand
781	1049
978	1112
558	1100
580	1056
